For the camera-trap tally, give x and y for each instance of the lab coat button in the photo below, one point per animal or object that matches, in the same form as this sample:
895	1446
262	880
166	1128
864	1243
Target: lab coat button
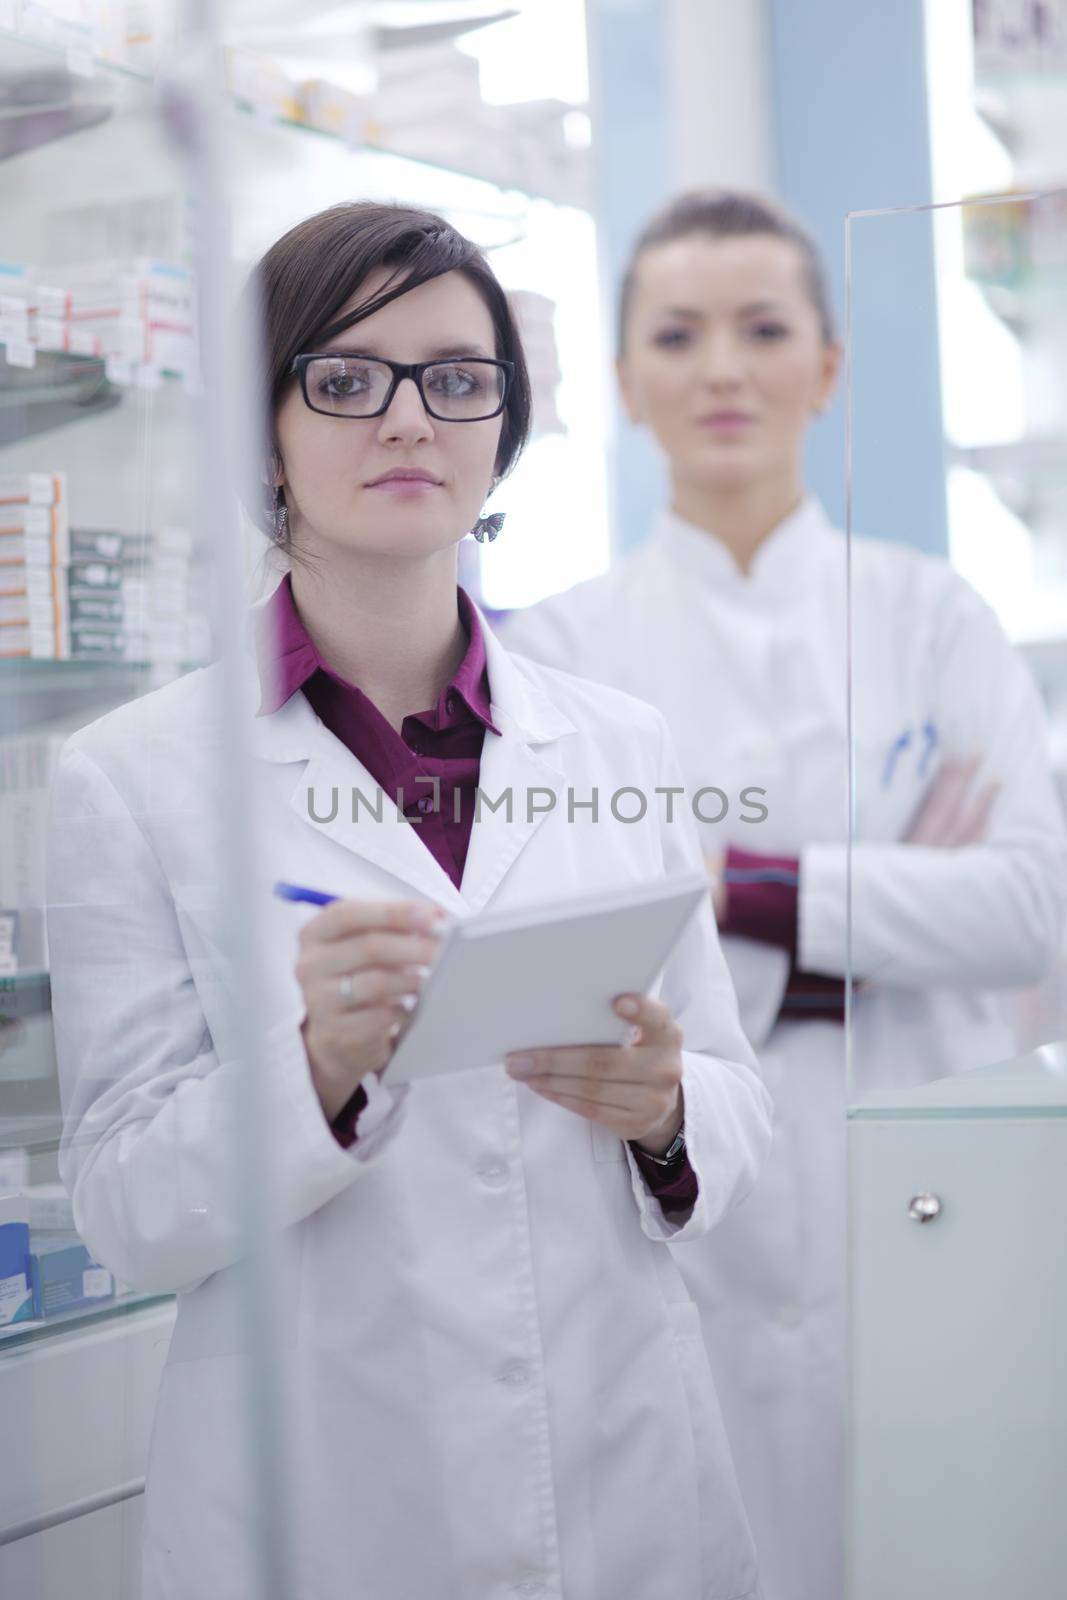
529	1588
493	1174
516	1377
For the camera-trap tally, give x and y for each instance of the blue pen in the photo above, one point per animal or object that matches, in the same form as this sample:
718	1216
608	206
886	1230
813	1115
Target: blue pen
896	750
311	897
930	735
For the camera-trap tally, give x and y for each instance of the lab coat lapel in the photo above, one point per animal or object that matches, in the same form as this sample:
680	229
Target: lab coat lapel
326	778
327	798
514	773
517	777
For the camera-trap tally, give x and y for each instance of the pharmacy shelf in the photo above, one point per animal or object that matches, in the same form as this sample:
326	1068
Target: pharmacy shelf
20	51
25	994
38	1132
45	696
84	675
17	1335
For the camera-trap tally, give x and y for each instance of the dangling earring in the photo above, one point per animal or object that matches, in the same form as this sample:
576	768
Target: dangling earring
488	527
279	514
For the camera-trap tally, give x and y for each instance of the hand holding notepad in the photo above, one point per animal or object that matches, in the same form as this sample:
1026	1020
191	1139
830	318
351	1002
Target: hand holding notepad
542	977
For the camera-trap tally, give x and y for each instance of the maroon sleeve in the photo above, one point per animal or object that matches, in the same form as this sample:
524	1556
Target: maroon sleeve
762	899
676	1188
811	995
343	1126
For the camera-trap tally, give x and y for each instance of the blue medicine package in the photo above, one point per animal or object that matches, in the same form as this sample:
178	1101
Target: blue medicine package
16	1297
64	1277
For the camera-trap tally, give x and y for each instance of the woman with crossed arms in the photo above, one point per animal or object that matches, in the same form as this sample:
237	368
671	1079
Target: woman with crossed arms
731	620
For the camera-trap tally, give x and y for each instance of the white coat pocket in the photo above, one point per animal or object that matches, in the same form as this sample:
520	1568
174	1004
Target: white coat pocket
727	1553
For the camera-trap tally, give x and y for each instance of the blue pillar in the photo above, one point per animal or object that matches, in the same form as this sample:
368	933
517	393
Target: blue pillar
629	77
852	134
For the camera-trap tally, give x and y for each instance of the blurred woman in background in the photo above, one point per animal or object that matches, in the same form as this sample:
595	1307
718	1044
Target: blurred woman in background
732	621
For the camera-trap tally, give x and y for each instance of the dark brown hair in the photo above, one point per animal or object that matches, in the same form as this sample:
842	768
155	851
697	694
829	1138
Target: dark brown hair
312	271
730	214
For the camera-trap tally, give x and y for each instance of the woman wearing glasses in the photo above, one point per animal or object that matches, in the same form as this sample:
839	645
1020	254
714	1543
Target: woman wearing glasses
493	1377
731	620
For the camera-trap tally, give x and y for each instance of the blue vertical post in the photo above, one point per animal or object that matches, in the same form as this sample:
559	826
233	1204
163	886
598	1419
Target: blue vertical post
627	60
852	134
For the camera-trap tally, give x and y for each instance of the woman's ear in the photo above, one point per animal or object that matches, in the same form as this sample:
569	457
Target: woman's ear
628	390
832	356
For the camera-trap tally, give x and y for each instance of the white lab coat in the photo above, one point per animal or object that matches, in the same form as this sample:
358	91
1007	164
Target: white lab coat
495	1378
750	672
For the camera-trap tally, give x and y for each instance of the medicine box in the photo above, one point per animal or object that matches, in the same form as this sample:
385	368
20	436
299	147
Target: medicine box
64	1276
16	1299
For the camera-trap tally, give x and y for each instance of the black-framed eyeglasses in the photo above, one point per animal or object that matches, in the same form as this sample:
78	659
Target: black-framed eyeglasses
342	383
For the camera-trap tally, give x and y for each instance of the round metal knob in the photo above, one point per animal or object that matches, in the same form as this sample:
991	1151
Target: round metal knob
924	1208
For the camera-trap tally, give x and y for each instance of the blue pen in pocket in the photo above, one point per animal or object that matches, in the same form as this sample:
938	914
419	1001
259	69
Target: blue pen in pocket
896	750
930	735
311	897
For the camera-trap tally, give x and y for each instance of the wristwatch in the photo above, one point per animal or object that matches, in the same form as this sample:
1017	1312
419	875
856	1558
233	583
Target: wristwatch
671	1156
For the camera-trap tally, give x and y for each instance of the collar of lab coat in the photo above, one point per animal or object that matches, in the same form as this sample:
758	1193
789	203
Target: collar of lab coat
783	562
519	757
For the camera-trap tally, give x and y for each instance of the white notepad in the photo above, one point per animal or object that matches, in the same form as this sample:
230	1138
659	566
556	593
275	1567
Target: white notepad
542	976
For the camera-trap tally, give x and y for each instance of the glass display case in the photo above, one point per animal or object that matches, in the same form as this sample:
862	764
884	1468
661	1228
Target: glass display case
115	583
105	576
998	126
957	891
103	572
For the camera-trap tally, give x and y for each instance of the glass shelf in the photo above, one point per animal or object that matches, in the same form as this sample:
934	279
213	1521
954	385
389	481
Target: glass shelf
17	1335
1032	1085
23	49
40	1131
123	677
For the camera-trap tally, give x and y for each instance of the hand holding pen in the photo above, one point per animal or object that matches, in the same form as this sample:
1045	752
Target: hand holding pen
361	966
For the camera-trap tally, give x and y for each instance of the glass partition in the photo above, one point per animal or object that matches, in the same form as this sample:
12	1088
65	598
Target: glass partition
958	648
955	898
139	1024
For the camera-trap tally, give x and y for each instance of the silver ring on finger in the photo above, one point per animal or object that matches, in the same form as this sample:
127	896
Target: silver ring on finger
344	988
